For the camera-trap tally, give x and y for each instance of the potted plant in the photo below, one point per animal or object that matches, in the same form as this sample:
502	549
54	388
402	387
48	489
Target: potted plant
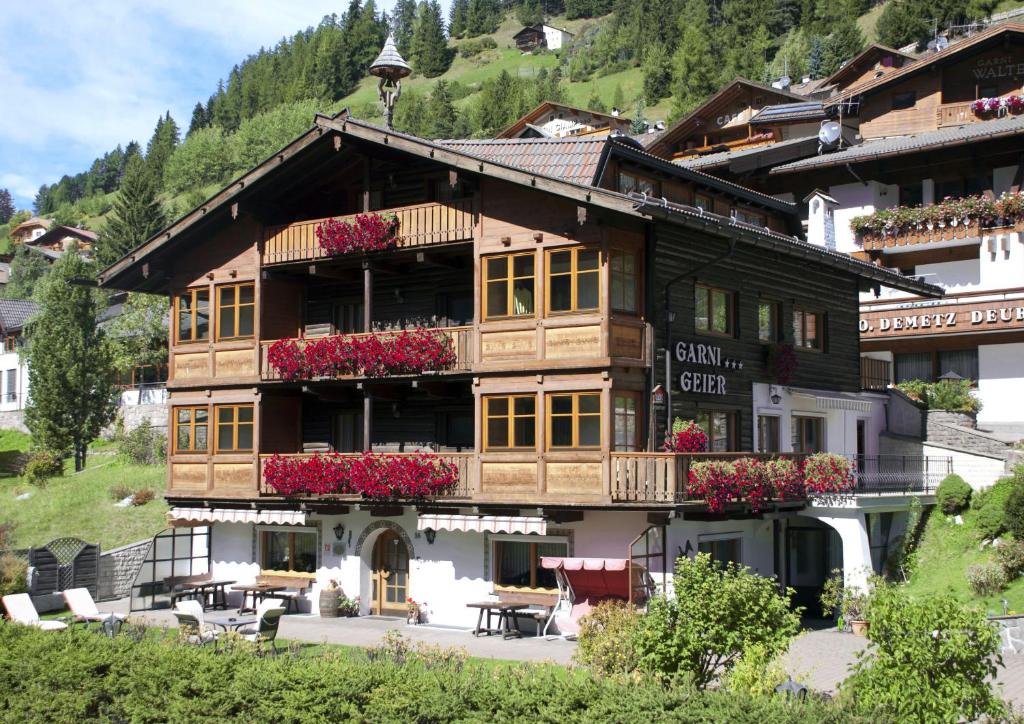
848	605
348	607
415	611
329	597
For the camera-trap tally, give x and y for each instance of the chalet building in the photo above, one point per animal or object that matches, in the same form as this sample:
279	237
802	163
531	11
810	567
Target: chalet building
534	37
557	120
942	128
59	238
530	315
30	229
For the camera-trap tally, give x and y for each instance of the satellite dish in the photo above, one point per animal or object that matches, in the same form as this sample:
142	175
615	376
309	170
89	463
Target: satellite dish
828	135
941	43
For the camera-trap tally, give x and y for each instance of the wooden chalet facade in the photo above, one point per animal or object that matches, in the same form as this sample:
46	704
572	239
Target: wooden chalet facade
547	283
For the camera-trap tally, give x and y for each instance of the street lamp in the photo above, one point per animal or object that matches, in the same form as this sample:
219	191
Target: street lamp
390	67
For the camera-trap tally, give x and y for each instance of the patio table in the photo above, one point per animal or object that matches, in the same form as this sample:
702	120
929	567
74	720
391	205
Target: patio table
508	623
215	591
258	592
225	621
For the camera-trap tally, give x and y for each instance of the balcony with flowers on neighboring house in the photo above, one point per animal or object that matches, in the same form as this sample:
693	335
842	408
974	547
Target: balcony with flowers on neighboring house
979	110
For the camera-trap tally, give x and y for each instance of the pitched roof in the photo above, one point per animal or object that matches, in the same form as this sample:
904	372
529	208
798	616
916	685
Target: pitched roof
571	159
549	106
751	159
856	63
899	145
789	112
14	313
60	231
34	221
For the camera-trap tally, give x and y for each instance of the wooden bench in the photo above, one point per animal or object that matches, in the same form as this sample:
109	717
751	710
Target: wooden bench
295	583
184	587
529	598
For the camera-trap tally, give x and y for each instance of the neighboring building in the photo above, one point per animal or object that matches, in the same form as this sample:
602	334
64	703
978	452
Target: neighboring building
542	36
13	369
56	240
30	229
914	137
557	120
546	265
873	62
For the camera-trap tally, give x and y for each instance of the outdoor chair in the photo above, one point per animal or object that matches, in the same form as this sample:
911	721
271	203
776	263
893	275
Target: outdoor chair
84	610
266	628
191	619
20	610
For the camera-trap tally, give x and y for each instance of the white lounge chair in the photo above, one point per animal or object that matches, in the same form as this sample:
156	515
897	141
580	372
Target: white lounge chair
20	610
83	608
191	621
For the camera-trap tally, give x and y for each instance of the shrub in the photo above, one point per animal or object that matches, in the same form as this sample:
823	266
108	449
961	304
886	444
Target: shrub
716	614
991	518
929	659
144	445
986	579
953	494
1009	556
120	491
6	531
143	496
755	673
1015	505
13	575
43	465
951	395
606	639
469	48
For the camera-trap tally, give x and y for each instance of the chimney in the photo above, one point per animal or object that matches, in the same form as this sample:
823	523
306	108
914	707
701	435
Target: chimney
616	112
821	224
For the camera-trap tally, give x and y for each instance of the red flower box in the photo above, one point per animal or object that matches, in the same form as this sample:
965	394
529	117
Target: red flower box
828	474
371	475
366	232
686	437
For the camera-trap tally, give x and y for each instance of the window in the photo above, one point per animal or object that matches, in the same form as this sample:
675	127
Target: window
768	327
962	361
509	282
625	281
631	183
574	420
723	549
193	314
291	550
720	428
713	310
517	563
190	429
574	280
11	385
808	329
749	217
236	308
11	343
912	194
703	202
510	422
234	428
626	430
768	439
808	434
901	101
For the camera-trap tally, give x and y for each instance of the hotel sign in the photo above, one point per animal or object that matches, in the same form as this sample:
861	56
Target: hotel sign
935	318
704	355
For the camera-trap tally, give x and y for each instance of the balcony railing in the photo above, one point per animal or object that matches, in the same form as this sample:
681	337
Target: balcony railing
875	374
419	225
901	473
464	463
462	341
961	113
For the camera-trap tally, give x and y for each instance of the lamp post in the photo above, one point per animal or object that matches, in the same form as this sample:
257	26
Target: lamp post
390	67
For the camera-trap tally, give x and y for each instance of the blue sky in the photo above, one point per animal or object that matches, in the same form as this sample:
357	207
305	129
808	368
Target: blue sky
78	77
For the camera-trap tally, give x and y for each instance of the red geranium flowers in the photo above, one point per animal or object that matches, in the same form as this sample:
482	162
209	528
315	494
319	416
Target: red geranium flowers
366	232
371	475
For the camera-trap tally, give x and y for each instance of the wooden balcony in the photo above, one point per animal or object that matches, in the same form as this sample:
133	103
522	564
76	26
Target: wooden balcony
463	340
418	225
875	374
898	242
961	113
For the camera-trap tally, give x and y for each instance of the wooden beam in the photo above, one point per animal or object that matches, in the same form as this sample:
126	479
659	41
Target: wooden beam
564	516
437	260
657	518
330	393
386	511
323	271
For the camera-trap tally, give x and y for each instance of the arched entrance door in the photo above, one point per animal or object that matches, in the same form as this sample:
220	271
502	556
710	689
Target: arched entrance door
390	575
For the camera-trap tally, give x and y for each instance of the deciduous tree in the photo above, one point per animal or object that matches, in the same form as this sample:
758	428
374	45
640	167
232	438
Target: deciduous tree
27	267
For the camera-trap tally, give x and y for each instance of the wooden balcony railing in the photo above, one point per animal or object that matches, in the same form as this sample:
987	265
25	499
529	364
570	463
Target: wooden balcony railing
463	462
418	225
875	374
462	340
961	113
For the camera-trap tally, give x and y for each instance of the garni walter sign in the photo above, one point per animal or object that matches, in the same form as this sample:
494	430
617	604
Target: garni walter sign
701	381
962	316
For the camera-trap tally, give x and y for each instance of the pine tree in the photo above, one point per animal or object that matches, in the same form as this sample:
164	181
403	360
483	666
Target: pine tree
442	118
482	17
695	62
403	21
618	99
199	119
411	115
639	124
6	206
70	372
814	58
458	18
595	103
657	71
845	42
429	53
27	267
136	215
903	22
530	12
160	147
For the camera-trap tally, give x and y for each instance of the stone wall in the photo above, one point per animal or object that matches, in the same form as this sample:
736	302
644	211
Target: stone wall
118	569
957	430
1011	634
13	420
904	416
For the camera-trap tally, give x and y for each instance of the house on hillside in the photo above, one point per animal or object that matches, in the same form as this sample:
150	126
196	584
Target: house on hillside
13	369
558	120
542	36
30	229
59	237
525	321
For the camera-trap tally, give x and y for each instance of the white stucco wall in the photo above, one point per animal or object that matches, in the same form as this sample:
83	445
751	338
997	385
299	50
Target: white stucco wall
13	399
977	471
1001	382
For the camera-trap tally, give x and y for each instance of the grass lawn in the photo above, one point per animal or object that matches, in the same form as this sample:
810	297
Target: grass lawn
80	505
868	22
945	552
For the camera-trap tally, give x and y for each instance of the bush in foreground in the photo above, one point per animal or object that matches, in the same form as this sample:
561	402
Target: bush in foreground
79	675
953	494
43	465
991	519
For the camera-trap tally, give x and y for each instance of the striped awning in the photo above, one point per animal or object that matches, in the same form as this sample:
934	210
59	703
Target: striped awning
483	523
185	516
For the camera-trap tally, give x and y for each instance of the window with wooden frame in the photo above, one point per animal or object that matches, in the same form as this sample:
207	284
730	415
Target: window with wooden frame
517	563
628	182
574	420
11	343
234	427
192	312
510	422
808	434
625	422
191	425
808	330
509	283
720	427
574	280
624	270
714	311
288	550
749	217
236	310
768	439
769	316
703	202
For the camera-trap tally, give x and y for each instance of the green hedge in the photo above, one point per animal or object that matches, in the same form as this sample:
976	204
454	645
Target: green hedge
80	675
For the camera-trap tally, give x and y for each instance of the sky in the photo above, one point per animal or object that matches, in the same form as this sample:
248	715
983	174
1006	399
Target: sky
79	77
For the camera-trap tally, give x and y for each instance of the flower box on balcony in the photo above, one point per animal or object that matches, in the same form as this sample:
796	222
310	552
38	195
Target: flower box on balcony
365	232
371	475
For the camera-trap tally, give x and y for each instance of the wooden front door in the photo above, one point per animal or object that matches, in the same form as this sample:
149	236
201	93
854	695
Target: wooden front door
390	575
